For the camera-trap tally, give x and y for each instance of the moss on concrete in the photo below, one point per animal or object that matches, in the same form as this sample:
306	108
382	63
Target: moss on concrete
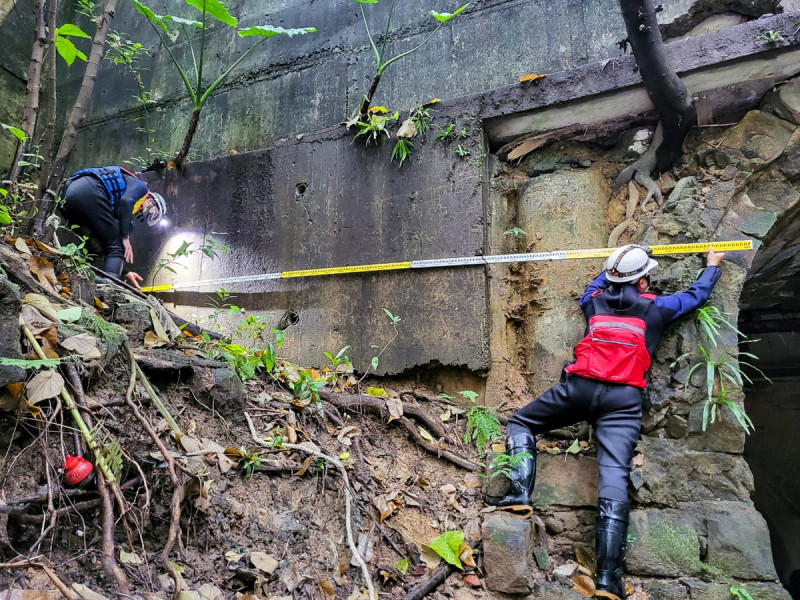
681	547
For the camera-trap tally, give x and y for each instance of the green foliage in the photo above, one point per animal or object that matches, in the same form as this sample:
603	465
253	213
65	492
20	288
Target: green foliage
503	463
679	546
78	257
374	126
210	248
402	150
740	593
771	37
66	47
445	133
447	546
339	365
394	320
421	116
248	461
711	320
169	27
12	209
469	395
45	363
306	389
516	232
462	151
15	131
483	427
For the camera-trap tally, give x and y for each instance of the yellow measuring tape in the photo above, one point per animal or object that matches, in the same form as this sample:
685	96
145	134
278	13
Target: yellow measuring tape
456	262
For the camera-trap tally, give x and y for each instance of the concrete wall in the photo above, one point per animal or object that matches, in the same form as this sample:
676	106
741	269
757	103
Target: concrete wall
291	86
17	33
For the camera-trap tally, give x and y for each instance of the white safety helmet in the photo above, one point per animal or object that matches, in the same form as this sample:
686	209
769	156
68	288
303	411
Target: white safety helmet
155	210
629	263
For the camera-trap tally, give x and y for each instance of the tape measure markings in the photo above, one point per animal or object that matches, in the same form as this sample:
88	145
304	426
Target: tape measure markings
458	262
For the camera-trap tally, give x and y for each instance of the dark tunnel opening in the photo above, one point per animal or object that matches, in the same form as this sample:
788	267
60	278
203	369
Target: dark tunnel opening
770	317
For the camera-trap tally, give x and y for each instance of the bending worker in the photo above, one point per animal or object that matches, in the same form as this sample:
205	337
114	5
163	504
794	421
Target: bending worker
102	202
603	386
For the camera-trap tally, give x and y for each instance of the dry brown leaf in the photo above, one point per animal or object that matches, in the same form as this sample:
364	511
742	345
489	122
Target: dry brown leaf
445	416
327	589
207	378
306	463
22	246
100	304
584	555
429	557
42	306
395	406
11	396
84	344
151	340
465	555
48	336
129	558
530	77
471	579
158	327
383	506
583	585
44	247
44	385
346	433
291	434
407	129
43	269
264	562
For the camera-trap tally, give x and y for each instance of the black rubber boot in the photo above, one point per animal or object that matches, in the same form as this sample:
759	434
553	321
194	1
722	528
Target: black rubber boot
612	535
523	476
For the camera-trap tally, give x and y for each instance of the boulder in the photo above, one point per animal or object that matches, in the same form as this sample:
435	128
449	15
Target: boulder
784	102
738	541
665	543
703	590
753	143
507	551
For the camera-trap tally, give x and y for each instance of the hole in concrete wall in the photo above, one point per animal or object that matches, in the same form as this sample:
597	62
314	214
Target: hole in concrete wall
770	313
300	189
289	318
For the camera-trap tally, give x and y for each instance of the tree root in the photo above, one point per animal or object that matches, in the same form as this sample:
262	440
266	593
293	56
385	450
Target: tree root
313	450
424	588
34	562
177	494
354	402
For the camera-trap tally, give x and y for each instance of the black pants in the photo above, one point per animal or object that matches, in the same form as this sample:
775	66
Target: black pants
613	410
85	207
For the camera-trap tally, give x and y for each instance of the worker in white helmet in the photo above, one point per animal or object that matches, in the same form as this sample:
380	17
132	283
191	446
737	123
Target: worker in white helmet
603	386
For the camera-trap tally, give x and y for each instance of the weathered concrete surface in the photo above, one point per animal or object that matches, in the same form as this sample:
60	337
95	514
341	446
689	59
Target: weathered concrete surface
344	205
507	552
10	306
17	33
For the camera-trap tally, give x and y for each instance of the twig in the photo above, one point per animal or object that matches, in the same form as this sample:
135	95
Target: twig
312	449
177	494
431	583
110	566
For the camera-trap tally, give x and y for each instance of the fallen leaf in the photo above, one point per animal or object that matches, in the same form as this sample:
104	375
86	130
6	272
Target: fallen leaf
264	562
130	558
100	304
395	406
346	433
530	77
42	305
43	269
376	392
207	378
71	314
44	385
429	557
211	592
45	248
465	554
151	340
584	585
158	327
327	589
567	569
427	436
86	593
448	546
232	556
574	448
445	416
384	507
407	129
584	555
22	246
291	434
84	344
306	463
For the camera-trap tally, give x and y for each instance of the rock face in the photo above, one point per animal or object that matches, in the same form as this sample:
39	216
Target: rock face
10	306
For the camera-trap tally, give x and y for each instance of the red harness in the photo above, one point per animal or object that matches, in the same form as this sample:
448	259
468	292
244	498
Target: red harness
614	348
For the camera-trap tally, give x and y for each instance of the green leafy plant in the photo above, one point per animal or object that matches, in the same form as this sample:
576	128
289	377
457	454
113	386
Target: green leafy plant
12	209
374	363
306	389
469	395
516	232
15	131
771	37
740	593
210	248
248	461
374	125
503	463
339	365
711	320
483	427
198	90
462	151
44	363
66	47
445	133
719	369
421	117
448	546
381	61
402	150
463	134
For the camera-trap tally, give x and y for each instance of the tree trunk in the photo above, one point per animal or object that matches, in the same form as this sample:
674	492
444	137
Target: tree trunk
50	127
367	99
78	112
32	101
187	141
669	95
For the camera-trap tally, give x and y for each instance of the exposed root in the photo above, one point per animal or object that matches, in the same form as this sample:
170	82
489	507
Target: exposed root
613	238
177	494
313	450
653	191
431	583
633	200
